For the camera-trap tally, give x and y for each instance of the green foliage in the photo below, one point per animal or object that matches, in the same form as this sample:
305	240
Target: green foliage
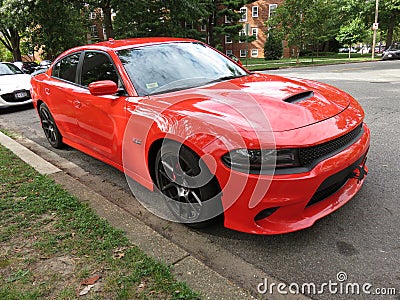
57	25
177	18
5	54
219	10
306	23
273	48
351	33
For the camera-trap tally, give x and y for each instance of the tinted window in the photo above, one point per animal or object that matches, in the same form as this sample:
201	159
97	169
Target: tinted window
97	66
66	67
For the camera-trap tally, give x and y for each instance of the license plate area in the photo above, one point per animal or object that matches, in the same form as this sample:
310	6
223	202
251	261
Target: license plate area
20	95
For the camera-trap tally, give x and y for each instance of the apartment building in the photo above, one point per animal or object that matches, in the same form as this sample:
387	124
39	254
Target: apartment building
253	18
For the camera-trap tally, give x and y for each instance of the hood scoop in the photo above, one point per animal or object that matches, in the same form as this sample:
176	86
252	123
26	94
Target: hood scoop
299	97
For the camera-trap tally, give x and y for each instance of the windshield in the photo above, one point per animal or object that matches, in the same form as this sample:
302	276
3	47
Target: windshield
176	66
394	47
9	69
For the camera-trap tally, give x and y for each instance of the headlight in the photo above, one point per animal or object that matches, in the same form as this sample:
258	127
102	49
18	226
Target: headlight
257	160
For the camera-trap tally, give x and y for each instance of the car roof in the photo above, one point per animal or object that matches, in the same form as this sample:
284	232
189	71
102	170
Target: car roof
130	43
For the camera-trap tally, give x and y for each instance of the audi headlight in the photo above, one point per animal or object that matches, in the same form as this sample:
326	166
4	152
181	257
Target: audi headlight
257	160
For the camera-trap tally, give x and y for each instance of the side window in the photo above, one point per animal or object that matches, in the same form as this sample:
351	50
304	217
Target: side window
66	67
97	66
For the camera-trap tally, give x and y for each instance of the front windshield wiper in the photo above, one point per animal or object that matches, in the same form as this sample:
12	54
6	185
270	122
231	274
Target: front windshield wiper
223	78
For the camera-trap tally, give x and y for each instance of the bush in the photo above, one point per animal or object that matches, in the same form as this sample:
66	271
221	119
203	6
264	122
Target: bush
273	48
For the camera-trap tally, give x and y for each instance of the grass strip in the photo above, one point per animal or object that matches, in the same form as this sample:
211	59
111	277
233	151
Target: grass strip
50	242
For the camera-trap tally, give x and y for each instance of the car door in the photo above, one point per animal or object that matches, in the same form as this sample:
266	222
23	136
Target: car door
59	94
101	119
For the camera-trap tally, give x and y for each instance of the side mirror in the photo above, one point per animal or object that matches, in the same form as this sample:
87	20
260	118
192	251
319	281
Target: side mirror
103	88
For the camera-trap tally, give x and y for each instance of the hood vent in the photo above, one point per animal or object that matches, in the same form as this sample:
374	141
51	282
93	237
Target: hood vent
299	97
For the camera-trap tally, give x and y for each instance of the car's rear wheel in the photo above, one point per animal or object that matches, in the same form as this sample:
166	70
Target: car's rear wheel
49	126
191	192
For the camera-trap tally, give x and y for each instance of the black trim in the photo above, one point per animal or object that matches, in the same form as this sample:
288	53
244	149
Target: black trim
299	97
334	183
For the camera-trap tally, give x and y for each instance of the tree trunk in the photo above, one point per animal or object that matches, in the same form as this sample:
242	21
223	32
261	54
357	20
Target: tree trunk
11	40
210	31
389	36
107	20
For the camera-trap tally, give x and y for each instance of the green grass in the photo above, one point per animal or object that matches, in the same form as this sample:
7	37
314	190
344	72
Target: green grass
255	64
51	241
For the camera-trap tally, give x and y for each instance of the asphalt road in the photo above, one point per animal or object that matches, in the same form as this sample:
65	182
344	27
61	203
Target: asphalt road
361	239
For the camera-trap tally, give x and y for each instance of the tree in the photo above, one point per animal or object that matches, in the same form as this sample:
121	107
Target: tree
273	48
178	18
389	18
389	14
56	26
222	20
14	17
351	33
306	23
107	7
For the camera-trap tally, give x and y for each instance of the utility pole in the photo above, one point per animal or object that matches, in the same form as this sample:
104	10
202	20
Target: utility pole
375	27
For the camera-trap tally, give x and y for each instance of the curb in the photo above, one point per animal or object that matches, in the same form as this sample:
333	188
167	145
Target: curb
206	280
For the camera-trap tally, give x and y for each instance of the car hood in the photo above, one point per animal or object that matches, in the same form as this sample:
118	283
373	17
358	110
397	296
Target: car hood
259	102
10	83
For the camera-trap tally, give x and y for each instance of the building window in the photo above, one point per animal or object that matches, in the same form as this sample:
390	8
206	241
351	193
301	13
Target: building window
203	27
243	12
242	36
228	39
254	52
104	34
229	52
254	11
92	15
243	53
254	32
272	8
93	31
227	20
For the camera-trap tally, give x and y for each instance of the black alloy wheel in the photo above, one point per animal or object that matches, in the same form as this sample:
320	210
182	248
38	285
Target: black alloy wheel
49	126
191	192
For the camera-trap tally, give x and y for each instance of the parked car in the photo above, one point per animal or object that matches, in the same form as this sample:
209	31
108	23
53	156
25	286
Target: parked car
346	50
393	52
29	67
14	86
42	67
271	154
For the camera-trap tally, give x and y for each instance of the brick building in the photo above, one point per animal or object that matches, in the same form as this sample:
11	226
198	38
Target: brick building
254	16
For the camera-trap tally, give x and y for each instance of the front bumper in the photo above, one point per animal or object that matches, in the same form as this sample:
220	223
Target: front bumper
9	99
297	201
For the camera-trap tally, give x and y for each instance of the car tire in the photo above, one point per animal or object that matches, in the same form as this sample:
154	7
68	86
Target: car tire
50	128
175	168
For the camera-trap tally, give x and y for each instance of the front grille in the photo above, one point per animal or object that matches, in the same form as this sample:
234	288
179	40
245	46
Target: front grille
311	155
10	97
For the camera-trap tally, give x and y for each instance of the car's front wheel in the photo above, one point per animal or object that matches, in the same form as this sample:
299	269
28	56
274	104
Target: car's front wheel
191	192
49	126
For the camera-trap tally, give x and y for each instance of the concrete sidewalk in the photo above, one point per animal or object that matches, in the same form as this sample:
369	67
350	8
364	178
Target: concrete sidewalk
185	267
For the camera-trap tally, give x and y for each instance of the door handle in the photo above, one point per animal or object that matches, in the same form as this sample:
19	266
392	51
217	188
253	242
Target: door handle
77	103
47	91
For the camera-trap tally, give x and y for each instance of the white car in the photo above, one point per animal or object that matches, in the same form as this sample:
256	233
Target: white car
14	86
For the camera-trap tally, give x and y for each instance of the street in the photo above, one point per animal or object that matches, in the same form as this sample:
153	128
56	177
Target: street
362	239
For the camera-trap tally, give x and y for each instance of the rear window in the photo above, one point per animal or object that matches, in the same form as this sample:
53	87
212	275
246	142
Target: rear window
66	68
